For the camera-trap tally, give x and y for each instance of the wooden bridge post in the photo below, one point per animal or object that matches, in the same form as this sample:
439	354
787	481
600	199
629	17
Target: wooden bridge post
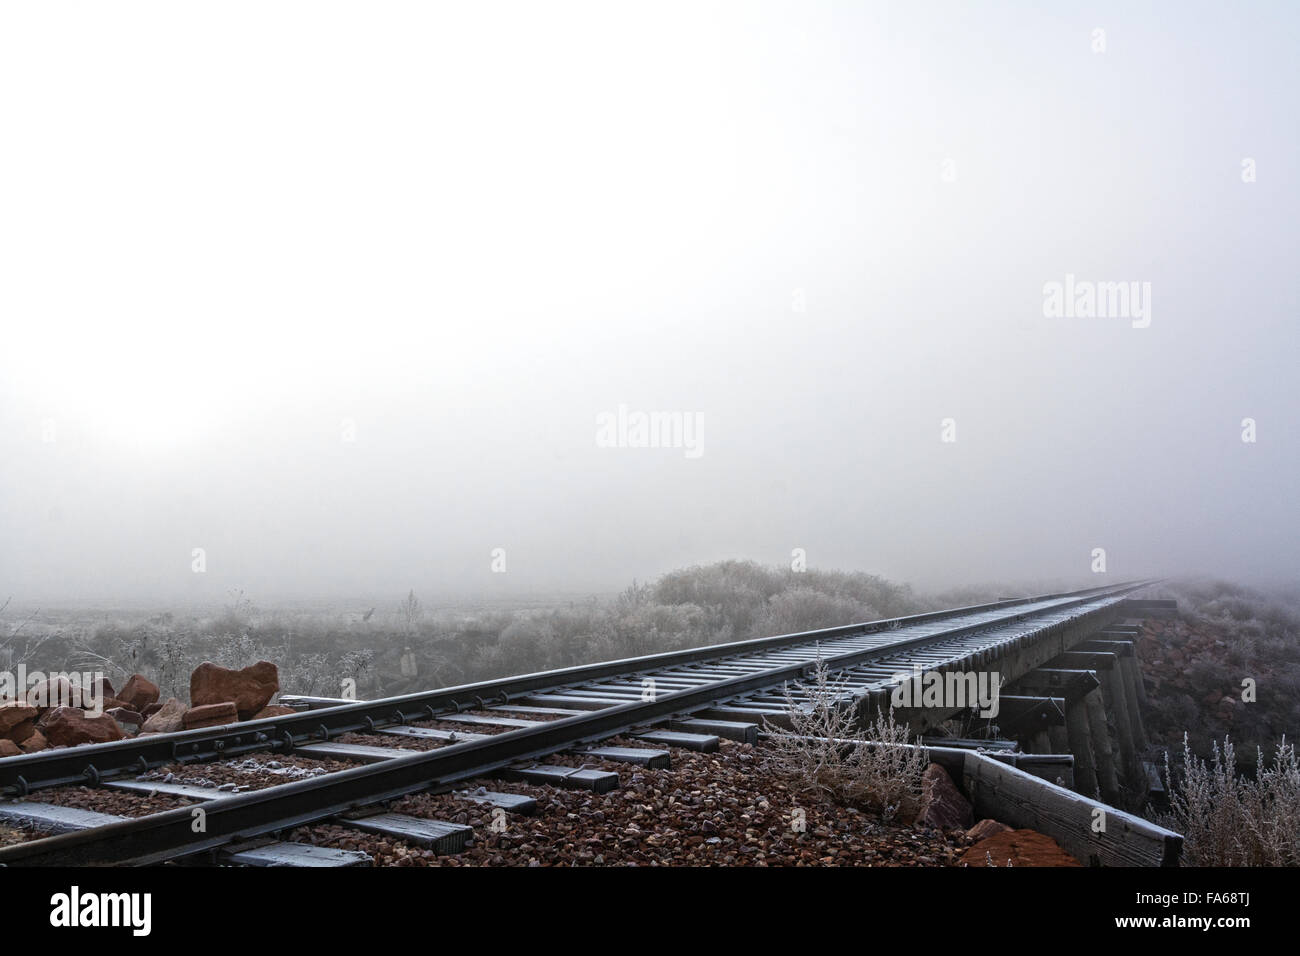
1071	685
1040	743
1101	748
1103	664
1121	694
1060	738
1133	679
1080	737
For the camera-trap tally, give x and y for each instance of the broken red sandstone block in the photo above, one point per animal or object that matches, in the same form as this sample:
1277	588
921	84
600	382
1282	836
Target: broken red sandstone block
128	720
210	715
21	732
985	829
249	689
167	719
139	692
15	714
942	805
273	710
70	726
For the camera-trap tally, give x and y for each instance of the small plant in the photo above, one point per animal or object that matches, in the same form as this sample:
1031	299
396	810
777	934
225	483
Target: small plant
410	613
1229	819
825	750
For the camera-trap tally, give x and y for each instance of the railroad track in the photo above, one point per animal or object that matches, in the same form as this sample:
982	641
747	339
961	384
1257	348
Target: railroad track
678	699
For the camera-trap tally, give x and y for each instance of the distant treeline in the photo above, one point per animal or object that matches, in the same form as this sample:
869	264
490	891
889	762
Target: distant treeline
405	649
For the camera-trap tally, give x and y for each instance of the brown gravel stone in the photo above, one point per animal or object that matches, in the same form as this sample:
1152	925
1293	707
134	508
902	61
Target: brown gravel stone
1018	848
728	808
127	803
253	772
10	836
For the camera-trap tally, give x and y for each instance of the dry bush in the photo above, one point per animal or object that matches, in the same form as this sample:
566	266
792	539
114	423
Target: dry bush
1229	819
745	599
805	609
824	750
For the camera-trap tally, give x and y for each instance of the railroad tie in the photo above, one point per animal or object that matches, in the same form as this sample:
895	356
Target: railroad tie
437	835
731	729
292	854
360	753
643	757
510	802
51	818
572	778
702	743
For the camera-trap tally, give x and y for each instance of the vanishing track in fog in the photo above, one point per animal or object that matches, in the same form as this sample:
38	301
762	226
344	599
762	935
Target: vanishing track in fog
701	693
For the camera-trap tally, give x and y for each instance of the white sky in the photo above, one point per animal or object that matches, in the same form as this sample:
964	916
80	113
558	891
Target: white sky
471	228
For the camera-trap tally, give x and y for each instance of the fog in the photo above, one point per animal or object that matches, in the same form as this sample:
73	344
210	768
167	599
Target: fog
325	299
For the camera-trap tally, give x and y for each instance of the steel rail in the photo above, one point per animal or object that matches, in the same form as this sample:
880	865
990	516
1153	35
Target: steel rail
22	774
170	834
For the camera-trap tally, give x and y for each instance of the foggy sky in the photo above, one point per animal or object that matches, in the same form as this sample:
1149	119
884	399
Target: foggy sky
337	292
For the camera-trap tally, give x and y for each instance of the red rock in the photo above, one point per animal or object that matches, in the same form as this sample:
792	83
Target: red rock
34	743
210	715
1021	848
942	805
103	687
139	692
69	726
168	719
249	689
21	732
273	710
14	714
9	749
152	709
126	718
985	829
